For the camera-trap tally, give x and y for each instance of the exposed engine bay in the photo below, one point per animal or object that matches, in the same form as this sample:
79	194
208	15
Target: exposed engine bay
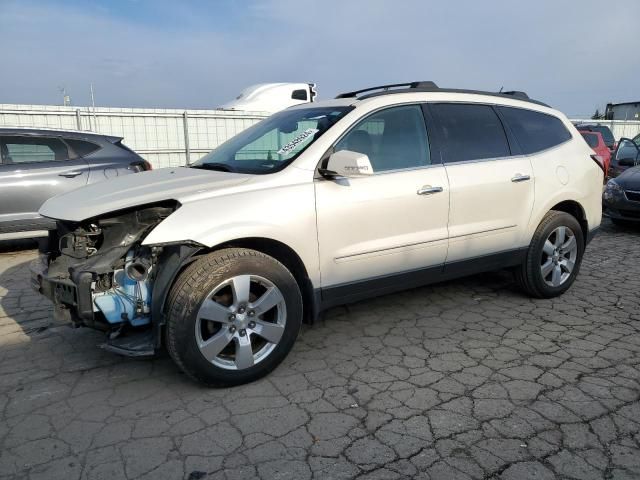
98	274
125	294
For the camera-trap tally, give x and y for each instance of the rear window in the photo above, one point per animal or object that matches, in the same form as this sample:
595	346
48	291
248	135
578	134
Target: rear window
607	136
470	132
535	131
591	138
82	147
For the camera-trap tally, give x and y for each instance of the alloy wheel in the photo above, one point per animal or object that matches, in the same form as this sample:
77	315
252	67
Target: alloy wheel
559	254
240	322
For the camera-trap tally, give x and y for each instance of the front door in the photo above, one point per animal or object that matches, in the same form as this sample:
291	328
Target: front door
386	229
34	169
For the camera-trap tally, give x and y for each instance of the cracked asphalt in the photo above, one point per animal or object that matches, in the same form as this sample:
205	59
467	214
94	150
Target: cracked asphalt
467	379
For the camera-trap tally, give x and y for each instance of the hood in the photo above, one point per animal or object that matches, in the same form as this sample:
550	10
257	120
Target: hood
629	179
137	189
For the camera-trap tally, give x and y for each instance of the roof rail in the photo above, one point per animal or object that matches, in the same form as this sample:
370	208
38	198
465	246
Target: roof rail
432	87
421	85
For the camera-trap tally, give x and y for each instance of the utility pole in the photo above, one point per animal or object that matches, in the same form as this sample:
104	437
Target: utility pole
93	105
66	99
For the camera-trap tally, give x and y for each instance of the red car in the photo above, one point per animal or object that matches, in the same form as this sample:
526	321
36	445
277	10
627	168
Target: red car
596	142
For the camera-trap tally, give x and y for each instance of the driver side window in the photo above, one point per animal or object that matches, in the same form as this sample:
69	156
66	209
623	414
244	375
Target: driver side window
394	139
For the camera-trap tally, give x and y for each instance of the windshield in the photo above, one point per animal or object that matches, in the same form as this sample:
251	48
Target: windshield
273	143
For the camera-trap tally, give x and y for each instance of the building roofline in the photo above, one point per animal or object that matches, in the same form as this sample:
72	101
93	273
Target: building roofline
623	103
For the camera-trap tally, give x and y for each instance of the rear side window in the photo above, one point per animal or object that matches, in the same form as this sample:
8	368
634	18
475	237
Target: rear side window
535	131
470	132
82	147
592	139
17	149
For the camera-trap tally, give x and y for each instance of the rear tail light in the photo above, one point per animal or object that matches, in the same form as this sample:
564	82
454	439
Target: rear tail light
600	161
142	166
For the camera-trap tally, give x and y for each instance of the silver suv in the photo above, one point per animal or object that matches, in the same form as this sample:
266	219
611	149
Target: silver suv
376	191
37	164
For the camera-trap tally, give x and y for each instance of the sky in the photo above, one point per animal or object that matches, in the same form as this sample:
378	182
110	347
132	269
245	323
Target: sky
576	55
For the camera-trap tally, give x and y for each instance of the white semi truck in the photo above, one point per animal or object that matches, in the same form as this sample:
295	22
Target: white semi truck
272	97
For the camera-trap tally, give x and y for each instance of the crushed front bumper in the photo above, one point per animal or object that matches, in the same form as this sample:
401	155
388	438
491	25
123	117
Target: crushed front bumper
71	300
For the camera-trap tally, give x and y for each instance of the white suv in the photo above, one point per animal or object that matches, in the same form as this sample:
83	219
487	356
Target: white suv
376	191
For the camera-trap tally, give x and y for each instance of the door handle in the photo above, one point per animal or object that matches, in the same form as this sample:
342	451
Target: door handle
429	190
520	178
71	174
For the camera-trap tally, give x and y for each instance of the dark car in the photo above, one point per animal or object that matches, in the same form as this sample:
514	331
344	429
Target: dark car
626	155
36	165
621	197
607	135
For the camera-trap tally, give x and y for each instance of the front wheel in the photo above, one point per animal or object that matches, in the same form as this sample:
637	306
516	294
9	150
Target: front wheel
554	256
232	317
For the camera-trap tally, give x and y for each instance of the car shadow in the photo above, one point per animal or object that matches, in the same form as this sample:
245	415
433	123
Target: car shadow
28	333
22	310
632	228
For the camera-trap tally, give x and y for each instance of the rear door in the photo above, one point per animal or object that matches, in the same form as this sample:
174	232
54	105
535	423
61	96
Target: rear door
34	169
491	188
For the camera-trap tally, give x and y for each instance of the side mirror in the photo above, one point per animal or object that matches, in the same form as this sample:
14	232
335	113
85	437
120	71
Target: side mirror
346	163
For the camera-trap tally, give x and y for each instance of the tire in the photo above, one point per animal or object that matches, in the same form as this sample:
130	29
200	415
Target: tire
208	306
530	274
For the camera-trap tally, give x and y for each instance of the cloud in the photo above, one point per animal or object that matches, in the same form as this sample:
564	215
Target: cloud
200	54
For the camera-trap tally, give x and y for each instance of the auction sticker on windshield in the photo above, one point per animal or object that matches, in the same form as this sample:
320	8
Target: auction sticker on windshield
289	147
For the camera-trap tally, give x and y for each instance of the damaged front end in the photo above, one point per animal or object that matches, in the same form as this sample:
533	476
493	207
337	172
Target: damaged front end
98	274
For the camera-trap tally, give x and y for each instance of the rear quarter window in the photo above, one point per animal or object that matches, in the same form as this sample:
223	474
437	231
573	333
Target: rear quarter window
535	131
82	147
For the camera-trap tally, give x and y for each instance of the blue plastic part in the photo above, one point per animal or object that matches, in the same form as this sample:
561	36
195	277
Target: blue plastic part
118	301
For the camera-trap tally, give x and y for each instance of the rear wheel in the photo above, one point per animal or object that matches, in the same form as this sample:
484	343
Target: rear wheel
554	256
233	316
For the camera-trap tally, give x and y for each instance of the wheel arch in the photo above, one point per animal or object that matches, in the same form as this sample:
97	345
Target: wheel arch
289	258
576	210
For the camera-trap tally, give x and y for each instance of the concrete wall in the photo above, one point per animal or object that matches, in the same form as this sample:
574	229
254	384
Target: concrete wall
156	134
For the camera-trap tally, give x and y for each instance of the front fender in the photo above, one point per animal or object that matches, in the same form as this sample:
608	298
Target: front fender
284	214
